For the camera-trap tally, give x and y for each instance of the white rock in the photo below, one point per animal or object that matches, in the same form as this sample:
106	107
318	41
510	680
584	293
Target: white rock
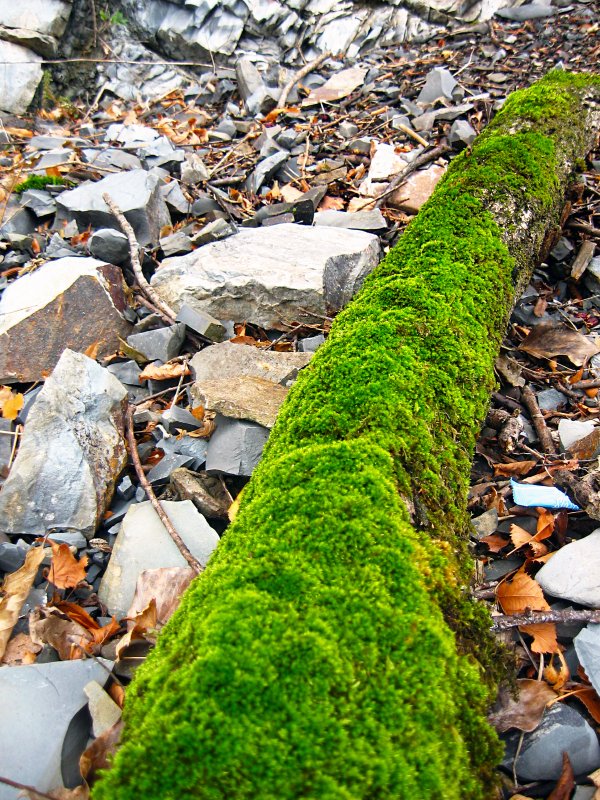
20	74
103	709
44	16
143	543
587	647
571	431
572	572
271	275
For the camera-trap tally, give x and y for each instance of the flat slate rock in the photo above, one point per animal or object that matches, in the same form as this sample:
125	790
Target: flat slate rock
271	275
71	453
236	446
143	543
572	572
70	303
230	360
243	397
587	647
39	703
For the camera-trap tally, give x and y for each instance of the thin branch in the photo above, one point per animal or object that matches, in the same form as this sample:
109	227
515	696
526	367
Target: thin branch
25	788
301	73
135	457
539	423
504	622
399	179
134	251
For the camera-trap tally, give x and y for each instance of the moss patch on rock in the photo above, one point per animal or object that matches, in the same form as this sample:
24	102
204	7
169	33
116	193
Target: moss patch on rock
331	651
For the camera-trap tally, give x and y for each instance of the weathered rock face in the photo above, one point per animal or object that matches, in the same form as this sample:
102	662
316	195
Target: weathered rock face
255	399
229	360
271	275
71	303
20	73
71	453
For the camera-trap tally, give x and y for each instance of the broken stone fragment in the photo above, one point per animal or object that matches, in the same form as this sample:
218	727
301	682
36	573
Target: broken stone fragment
110	245
229	360
439	83
271	275
243	397
587	647
161	344
572	572
235	447
73	303
71	453
462	133
416	189
311	343
143	543
41	733
202	323
21	74
206	492
103	709
137	194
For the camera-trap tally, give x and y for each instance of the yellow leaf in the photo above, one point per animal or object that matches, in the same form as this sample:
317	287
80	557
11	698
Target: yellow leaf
65	571
544	637
520	593
14	590
10	402
92	351
163	372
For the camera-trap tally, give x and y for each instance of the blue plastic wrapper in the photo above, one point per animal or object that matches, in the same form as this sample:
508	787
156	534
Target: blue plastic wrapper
529	495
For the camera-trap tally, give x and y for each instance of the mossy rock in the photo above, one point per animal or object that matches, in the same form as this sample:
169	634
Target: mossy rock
331	650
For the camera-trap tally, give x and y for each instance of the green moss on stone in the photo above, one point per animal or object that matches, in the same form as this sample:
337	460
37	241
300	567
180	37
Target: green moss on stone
39	182
331	650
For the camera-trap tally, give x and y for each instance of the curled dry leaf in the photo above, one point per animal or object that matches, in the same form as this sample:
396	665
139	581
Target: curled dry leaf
100	633
10	402
520	593
548	340
68	638
99	753
20	650
566	782
513	468
165	586
143	623
590	700
544	637
14	590
66	571
163	372
495	542
526	711
557	677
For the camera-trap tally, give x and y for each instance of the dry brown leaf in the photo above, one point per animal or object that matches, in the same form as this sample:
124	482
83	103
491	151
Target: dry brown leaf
513	468
143	623
544	637
20	650
495	500
548	340
576	376
495	542
163	372
289	193
165	586
98	755
78	793
591	701
525	713
65	570
14	590
92	351
331	204
340	85
566	782
520	593
557	677
100	633
68	638
519	536
10	402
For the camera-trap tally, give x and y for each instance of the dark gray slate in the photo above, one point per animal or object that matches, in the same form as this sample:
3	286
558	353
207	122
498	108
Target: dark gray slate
162	344
235	447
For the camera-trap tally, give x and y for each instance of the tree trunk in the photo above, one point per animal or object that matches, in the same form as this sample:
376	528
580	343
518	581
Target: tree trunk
331	650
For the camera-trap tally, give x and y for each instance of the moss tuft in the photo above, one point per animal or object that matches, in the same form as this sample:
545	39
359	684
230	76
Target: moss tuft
40	182
331	650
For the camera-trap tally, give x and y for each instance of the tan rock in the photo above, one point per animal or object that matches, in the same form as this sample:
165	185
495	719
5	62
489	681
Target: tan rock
242	397
416	190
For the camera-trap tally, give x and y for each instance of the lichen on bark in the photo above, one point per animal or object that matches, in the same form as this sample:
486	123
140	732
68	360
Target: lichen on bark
331	649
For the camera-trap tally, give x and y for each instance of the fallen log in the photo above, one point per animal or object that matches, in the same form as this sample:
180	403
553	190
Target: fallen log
331	650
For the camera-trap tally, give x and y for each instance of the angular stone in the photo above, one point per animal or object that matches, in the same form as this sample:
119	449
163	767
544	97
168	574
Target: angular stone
143	543
177	419
311	344
175	244
587	647
41	203
462	133
439	83
270	275
103	710
551	400
45	16
162	344
206	492
243	397
358	221
525	12
265	170
71	453
571	431
486	524
201	322
39	703
21	72
572	572
562	730
136	193
186	446
127	372
235	447
71	303
110	245
416	189
161	472
229	360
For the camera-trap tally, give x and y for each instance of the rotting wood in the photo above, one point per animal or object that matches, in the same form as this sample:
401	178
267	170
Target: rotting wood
331	649
537	418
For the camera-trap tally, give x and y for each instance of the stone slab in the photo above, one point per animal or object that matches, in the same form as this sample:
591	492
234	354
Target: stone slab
242	397
572	572
229	360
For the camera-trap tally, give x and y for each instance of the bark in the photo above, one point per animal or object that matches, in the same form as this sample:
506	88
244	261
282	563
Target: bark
331	649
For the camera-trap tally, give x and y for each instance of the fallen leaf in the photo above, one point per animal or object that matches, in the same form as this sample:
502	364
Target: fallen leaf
557	677
165	586
566	782
526	711
143	623
591	701
117	693
331	204
92	351
520	593
576	376
163	372
98	755
544	637
10	402
495	542
495	500
14	590
65	570
20	650
289	193
548	340
340	85
100	633
513	468
68	638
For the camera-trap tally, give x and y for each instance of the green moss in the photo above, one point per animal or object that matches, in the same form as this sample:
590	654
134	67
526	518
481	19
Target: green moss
331	650
39	182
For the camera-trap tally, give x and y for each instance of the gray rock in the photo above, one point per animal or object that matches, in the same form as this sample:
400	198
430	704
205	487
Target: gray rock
486	524
571	431
214	231
111	158
104	711
162	344
41	203
562	730
175	198
572	572
311	343
160	474
347	129
562	250
72	538
235	447
551	400
21	74
269	275
528	11
359	220
587	647
584	793
127	372
131	137
135	192
202	323
69	303
38	743
12	556
110	245
229	360
175	244
143	543
193	170
438	83
462	132
249	79
186	446
178	419
207	492
49	17
265	170
242	397
71	453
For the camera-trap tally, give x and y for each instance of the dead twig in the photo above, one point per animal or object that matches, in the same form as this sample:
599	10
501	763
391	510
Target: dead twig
504	622
301	73
399	179
134	251
539	423
181	546
25	788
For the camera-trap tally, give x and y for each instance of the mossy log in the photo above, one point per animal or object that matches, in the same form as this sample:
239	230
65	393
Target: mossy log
331	651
